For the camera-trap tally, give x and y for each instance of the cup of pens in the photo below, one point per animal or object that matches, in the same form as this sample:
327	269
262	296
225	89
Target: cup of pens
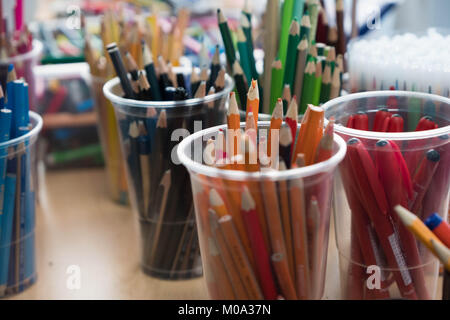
150	127
262	222
17	200
26	58
398	152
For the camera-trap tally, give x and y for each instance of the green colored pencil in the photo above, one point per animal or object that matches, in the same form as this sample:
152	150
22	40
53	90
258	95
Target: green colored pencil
326	85
313	8
243	54
247	30
226	37
308	85
317	84
331	58
275	82
291	58
286	19
305	25
286	98
241	84
335	84
320	48
298	9
414	106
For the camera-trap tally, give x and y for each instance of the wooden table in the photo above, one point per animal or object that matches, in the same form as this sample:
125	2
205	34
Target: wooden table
77	224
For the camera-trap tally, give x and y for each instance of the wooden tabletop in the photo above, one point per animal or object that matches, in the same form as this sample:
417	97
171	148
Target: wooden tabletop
78	225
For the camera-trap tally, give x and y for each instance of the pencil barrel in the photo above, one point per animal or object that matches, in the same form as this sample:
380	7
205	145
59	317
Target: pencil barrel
17	211
294	270
109	137
379	257
159	186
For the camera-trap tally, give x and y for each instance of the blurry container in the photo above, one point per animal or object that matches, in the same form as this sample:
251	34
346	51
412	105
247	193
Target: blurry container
245	256
109	137
158	185
17	218
380	171
24	65
69	138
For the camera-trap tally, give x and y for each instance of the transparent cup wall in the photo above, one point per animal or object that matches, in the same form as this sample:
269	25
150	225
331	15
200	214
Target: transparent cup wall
159	187
292	267
379	257
17	218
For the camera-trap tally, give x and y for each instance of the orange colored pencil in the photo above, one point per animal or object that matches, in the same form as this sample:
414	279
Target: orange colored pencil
325	148
311	131
233	125
284	279
229	233
253	101
230	267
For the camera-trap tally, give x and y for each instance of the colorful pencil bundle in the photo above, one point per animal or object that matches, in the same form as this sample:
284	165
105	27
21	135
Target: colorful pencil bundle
17	195
15	42
377	176
405	62
434	233
160	188
265	238
298	62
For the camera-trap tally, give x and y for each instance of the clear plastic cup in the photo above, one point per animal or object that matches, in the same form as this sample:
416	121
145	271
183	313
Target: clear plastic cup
275	247
158	185
23	65
17	198
379	257
109	137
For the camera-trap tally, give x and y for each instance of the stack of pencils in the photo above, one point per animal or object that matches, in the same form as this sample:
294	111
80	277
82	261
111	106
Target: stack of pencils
17	190
171	103
16	45
305	60
264	237
133	36
380	174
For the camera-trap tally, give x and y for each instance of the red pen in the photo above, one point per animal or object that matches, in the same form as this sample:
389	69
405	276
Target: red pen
392	102
426	123
395	123
382	223
351	122
361	121
380	120
363	233
422	179
390	175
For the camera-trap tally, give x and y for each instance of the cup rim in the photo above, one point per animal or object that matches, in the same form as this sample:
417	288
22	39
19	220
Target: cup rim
34	52
413	135
296	173
33	132
115	99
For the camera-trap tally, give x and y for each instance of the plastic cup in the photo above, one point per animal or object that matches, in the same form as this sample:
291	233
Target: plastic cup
17	218
23	65
379	257
109	137
159	187
257	259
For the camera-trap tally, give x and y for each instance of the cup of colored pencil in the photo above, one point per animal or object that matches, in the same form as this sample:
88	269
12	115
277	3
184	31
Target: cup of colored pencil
19	129
169	104
262	195
398	153
20	49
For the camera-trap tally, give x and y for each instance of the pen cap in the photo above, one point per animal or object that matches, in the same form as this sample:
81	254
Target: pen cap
401	158
280	218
